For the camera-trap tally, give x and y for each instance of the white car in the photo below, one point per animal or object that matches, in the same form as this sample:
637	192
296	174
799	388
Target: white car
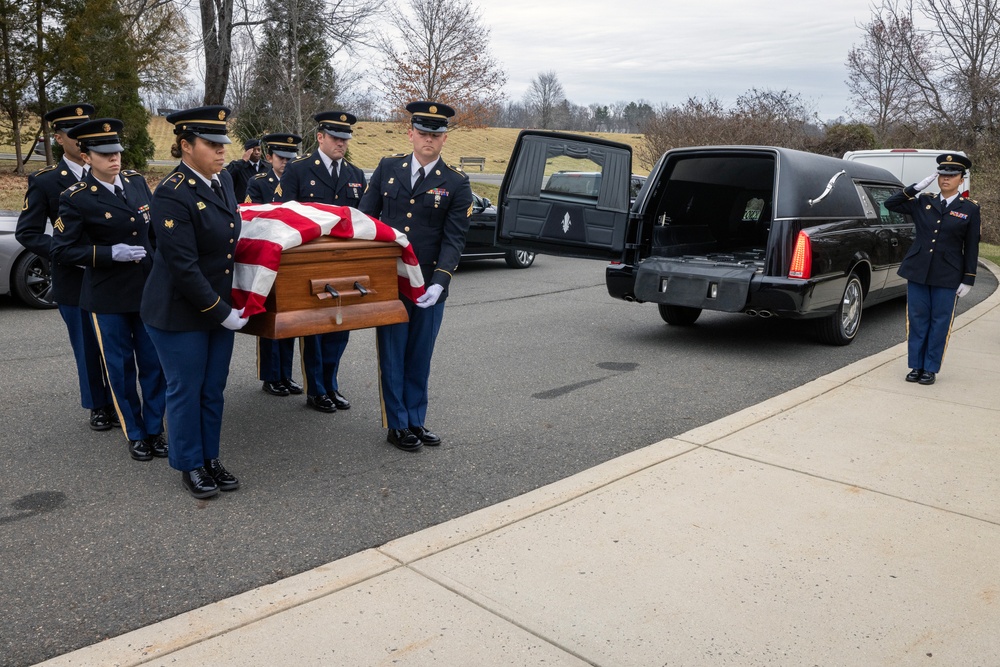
23	274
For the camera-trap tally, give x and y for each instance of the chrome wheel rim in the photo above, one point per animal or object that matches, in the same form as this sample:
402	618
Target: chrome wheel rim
850	309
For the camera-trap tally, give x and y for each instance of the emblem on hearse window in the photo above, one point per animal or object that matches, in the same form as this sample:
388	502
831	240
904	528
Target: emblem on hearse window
753	209
566	222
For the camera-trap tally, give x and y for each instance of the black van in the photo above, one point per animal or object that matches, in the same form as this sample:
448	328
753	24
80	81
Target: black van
767	231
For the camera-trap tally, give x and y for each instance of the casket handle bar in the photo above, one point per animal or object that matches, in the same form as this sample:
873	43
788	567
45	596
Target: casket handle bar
343	287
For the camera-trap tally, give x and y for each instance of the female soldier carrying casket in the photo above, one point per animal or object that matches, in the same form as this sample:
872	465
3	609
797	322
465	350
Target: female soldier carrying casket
185	305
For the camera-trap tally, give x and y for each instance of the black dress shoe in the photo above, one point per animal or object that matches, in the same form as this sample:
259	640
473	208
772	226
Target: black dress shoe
139	450
425	436
100	420
225	480
275	388
401	438
914	375
199	483
926	377
321	403
157	445
339	400
115	421
292	386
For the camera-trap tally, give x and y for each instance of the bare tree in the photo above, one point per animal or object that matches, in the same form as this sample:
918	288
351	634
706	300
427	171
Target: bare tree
544	97
696	122
161	36
439	50
881	89
15	42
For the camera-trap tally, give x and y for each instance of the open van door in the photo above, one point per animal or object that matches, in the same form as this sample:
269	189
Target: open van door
565	194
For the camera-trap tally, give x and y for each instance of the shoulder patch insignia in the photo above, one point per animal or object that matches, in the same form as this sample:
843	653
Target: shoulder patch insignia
45	169
168	223
25	207
174	179
76	187
277	190
248	200
130	172
468	214
58	224
259	176
300	159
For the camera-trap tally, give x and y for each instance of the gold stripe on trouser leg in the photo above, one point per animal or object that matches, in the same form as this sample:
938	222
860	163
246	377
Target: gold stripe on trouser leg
381	398
951	322
302	364
114	399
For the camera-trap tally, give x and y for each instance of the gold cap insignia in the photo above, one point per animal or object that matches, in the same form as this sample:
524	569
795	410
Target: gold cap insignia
169	224
950	158
106	127
433	109
222	115
79	111
343	117
290	140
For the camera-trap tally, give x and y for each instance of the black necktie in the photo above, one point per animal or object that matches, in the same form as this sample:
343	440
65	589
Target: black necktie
217	189
420	179
120	194
335	171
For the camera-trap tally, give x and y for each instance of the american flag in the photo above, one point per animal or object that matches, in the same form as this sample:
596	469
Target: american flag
270	228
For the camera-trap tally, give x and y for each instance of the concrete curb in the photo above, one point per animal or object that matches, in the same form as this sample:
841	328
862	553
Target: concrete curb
199	625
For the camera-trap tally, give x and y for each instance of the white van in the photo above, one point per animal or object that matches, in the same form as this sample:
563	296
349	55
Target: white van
909	165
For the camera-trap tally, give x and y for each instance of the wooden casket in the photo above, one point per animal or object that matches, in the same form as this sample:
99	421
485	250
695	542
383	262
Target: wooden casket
331	285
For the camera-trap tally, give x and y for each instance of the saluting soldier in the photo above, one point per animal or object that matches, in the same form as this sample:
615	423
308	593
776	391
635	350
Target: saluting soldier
324	177
941	264
186	304
274	357
103	226
41	206
430	202
248	166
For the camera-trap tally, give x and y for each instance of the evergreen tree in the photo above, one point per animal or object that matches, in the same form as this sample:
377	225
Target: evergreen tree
98	64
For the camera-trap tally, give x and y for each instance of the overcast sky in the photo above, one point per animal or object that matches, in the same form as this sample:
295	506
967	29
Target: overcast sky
666	51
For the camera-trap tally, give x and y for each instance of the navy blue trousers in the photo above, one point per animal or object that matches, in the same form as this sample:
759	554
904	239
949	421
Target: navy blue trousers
404	361
321	360
929	313
94	392
196	365
274	359
129	355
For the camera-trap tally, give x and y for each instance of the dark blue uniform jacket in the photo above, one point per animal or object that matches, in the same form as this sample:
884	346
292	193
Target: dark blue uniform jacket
91	220
190	286
435	219
307	180
946	248
261	188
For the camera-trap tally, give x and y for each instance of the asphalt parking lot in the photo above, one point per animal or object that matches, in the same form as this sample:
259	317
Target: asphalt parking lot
538	374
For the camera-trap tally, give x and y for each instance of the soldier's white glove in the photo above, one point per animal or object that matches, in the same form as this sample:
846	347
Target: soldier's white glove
234	320
430	297
963	289
924	183
123	252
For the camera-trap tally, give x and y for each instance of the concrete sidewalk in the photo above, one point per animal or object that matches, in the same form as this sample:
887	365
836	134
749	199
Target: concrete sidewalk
852	521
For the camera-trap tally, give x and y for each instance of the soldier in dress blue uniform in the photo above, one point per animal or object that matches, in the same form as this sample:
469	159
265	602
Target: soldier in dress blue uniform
103	226
274	357
430	202
324	177
41	206
941	264
247	167
186	303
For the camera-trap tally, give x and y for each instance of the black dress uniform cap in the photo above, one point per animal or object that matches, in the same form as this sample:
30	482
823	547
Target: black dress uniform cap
430	116
99	135
283	145
69	115
209	122
336	123
251	143
953	163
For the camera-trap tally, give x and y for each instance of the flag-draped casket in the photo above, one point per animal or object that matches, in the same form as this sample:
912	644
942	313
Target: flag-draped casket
303	269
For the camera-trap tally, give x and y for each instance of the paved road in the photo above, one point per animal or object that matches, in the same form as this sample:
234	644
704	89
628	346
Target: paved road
539	374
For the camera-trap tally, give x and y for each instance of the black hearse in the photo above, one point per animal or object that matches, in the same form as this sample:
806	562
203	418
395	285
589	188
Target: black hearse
767	231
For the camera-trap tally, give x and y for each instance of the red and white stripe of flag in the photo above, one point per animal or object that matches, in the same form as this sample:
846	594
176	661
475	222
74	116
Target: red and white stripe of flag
270	228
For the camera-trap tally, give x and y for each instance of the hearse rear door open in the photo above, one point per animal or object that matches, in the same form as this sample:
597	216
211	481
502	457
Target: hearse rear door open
566	195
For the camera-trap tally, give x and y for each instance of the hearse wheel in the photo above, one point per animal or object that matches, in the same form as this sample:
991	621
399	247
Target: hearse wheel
519	259
679	316
841	327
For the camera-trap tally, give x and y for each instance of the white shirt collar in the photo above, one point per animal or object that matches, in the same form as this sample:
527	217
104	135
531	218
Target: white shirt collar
111	186
949	200
415	166
76	169
206	181
327	160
